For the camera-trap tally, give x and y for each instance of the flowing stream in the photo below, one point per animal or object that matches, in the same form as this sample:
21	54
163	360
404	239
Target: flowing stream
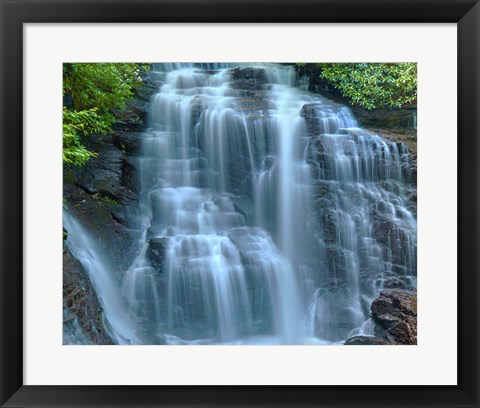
267	216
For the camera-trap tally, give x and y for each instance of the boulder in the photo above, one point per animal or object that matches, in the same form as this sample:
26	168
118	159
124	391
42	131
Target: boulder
395	314
366	341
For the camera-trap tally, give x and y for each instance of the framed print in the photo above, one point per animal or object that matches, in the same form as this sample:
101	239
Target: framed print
243	195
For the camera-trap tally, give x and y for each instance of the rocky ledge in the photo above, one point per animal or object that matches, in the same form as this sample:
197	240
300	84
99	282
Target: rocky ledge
394	312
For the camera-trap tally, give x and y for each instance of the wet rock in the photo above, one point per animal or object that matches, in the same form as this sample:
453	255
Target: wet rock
129	175
156	251
310	112
395	314
255	104
80	303
413	166
399	120
248	78
128	143
366	341
407	143
397	283
394	238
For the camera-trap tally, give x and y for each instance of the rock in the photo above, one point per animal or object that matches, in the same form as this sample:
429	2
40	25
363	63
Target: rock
156	251
248	78
398	120
320	117
129	175
80	301
128	143
366	341
392	235
397	283
410	144
395	314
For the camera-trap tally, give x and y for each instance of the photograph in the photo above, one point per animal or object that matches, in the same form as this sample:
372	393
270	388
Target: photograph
270	203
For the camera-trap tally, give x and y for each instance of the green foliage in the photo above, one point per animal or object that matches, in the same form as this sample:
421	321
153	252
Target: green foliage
96	92
109	200
105	199
75	125
373	85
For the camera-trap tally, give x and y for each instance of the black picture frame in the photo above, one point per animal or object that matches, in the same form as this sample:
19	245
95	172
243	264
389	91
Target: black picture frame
14	13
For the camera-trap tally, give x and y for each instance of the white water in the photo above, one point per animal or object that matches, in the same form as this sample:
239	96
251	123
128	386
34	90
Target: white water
270	231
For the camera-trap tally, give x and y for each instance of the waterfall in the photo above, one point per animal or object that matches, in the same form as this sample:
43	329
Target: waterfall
267	216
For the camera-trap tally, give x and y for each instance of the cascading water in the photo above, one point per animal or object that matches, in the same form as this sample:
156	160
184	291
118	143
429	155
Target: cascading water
267	215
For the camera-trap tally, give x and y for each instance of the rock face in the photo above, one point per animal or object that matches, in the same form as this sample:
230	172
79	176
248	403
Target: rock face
80	304
395	314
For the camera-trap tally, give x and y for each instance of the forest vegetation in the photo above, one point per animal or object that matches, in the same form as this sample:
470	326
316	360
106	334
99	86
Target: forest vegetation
92	94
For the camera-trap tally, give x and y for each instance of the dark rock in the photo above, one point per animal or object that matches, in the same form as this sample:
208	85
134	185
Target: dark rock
309	113
156	251
395	314
366	341
397	283
80	301
248	78
400	120
128	143
129	175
